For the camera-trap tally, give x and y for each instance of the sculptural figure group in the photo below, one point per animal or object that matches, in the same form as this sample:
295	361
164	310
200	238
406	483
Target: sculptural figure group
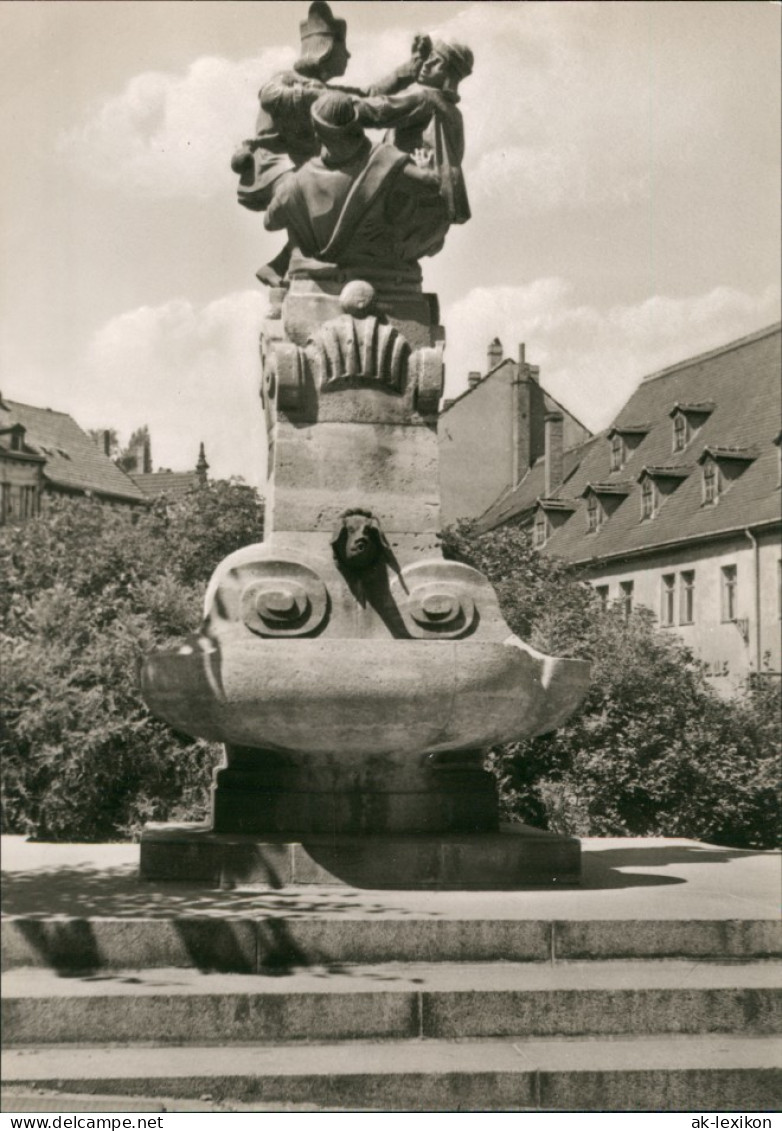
343	199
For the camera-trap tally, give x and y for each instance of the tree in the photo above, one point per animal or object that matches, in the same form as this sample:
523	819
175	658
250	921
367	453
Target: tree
106	438
653	751
126	458
86	590
136	455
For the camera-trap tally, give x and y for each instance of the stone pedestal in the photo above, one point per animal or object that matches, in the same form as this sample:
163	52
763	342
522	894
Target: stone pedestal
515	857
431	798
355	677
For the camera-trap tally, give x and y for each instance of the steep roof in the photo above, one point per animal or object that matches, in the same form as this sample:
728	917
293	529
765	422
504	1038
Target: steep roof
550	403
74	462
742	382
171	483
521	499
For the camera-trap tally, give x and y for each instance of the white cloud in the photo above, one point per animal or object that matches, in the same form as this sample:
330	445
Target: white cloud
191	374
569	105
172	135
575	104
591	359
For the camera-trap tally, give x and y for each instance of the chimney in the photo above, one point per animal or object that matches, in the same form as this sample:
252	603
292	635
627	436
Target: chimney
202	466
473	378
521	454
147	464
554	429
106	442
494	356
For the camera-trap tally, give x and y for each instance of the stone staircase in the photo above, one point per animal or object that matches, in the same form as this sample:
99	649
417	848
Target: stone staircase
397	1009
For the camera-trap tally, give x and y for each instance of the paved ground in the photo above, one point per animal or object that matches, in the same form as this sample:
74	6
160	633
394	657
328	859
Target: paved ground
624	878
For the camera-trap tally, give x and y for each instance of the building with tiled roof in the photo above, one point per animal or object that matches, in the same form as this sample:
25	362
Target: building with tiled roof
172	484
677	505
490	437
46	452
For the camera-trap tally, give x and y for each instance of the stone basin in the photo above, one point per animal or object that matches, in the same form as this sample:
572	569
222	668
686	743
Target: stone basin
324	697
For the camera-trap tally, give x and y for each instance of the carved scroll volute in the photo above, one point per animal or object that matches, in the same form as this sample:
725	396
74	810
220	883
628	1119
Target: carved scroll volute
285	376
283	599
437	599
428	374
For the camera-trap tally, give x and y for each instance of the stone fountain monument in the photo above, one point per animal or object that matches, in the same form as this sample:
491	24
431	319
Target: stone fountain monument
356	677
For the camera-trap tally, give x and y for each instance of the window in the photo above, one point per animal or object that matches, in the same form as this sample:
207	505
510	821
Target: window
668	599
626	596
540	529
594	514
648	498
711	482
729	593
687	597
617	452
681	432
5	501
28	502
602	592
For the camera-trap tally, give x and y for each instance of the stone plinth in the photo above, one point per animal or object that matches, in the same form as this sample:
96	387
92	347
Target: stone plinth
355	677
515	857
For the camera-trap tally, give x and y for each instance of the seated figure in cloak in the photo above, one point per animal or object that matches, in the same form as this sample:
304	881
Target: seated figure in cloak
356	205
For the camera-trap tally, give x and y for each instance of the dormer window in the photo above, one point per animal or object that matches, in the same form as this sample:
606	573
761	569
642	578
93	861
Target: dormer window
550	514
617	452
681	432
656	484
540	530
648	498
720	467
15	437
624	440
711	482
602	499
688	419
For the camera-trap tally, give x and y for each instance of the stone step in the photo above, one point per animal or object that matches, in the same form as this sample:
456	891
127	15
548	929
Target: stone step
393	1001
713	1073
320	930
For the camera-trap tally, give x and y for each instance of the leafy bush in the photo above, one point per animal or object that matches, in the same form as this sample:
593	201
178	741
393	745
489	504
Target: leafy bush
88	589
653	751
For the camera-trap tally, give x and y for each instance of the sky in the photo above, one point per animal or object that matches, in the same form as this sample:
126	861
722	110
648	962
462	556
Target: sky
623	167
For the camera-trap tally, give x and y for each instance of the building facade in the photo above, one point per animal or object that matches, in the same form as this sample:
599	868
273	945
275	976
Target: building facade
171	484
21	478
676	507
45	453
492	434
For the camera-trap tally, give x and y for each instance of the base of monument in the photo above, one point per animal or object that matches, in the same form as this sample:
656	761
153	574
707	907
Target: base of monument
517	856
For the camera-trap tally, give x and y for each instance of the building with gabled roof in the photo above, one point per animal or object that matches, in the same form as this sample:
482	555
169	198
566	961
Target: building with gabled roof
172	484
490	437
677	505
46	452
